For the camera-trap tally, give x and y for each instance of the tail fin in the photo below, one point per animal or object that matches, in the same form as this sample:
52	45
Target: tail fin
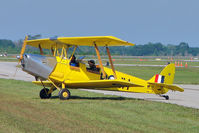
163	81
166	76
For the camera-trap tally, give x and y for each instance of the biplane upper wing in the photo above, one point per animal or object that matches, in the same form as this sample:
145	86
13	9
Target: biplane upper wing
168	86
92	84
59	42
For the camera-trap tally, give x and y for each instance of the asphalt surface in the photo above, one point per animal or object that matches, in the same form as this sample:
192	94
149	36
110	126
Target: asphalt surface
8	69
188	98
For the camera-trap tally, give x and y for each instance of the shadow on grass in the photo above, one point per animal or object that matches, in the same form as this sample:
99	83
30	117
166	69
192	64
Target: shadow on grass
96	98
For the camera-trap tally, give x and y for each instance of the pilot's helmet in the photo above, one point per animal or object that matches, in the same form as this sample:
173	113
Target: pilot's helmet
91	61
73	57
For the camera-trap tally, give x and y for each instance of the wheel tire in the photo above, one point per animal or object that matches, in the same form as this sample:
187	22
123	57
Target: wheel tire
44	93
64	94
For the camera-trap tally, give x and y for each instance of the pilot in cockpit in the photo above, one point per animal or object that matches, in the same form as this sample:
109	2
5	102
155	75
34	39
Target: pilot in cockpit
73	61
92	66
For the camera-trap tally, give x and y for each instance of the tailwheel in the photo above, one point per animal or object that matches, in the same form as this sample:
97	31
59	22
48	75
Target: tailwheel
166	97
64	94
44	93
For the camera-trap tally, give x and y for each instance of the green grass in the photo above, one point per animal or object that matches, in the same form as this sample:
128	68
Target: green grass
149	62
8	59
152	62
22	111
182	75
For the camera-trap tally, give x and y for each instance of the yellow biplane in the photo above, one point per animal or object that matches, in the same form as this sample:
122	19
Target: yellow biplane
62	72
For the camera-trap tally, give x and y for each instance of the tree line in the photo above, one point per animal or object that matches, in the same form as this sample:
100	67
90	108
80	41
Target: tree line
149	49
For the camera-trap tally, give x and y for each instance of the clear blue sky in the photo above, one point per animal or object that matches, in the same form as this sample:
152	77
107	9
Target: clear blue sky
136	21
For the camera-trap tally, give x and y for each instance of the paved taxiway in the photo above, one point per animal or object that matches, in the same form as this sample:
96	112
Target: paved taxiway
189	98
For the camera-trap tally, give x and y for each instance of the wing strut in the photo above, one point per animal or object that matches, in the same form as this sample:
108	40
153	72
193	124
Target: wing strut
52	51
73	52
41	50
99	58
110	60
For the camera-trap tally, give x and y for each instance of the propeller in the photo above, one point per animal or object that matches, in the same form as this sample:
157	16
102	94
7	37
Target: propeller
23	48
21	54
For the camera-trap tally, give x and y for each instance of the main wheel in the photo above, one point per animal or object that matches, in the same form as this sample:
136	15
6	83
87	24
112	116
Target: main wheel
44	93
64	94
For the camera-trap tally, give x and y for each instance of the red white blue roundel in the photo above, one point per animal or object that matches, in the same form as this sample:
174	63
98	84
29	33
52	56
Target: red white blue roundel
159	78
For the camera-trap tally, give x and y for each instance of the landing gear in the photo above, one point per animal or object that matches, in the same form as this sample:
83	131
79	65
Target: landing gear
64	94
165	96
44	93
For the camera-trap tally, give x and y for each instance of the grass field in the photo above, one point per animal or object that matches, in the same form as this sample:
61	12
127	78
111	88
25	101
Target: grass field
182	75
22	111
10	59
152	62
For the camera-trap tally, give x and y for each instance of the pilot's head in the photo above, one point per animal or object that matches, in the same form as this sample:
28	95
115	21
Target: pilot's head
73	58
91	62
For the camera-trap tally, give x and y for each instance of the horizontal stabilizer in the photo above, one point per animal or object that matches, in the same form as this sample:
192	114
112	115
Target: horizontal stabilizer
168	86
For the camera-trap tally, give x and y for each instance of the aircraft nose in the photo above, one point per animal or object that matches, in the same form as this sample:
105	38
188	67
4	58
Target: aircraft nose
38	65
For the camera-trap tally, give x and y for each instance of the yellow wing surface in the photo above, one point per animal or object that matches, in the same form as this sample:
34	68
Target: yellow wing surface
92	84
168	86
59	42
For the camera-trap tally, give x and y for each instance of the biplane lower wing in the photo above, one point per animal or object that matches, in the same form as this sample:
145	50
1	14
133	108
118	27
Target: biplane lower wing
100	84
168	86
43	83
91	84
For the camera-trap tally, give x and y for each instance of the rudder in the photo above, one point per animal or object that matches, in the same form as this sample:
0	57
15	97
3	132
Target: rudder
166	75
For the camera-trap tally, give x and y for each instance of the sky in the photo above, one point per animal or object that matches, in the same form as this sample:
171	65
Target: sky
136	21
